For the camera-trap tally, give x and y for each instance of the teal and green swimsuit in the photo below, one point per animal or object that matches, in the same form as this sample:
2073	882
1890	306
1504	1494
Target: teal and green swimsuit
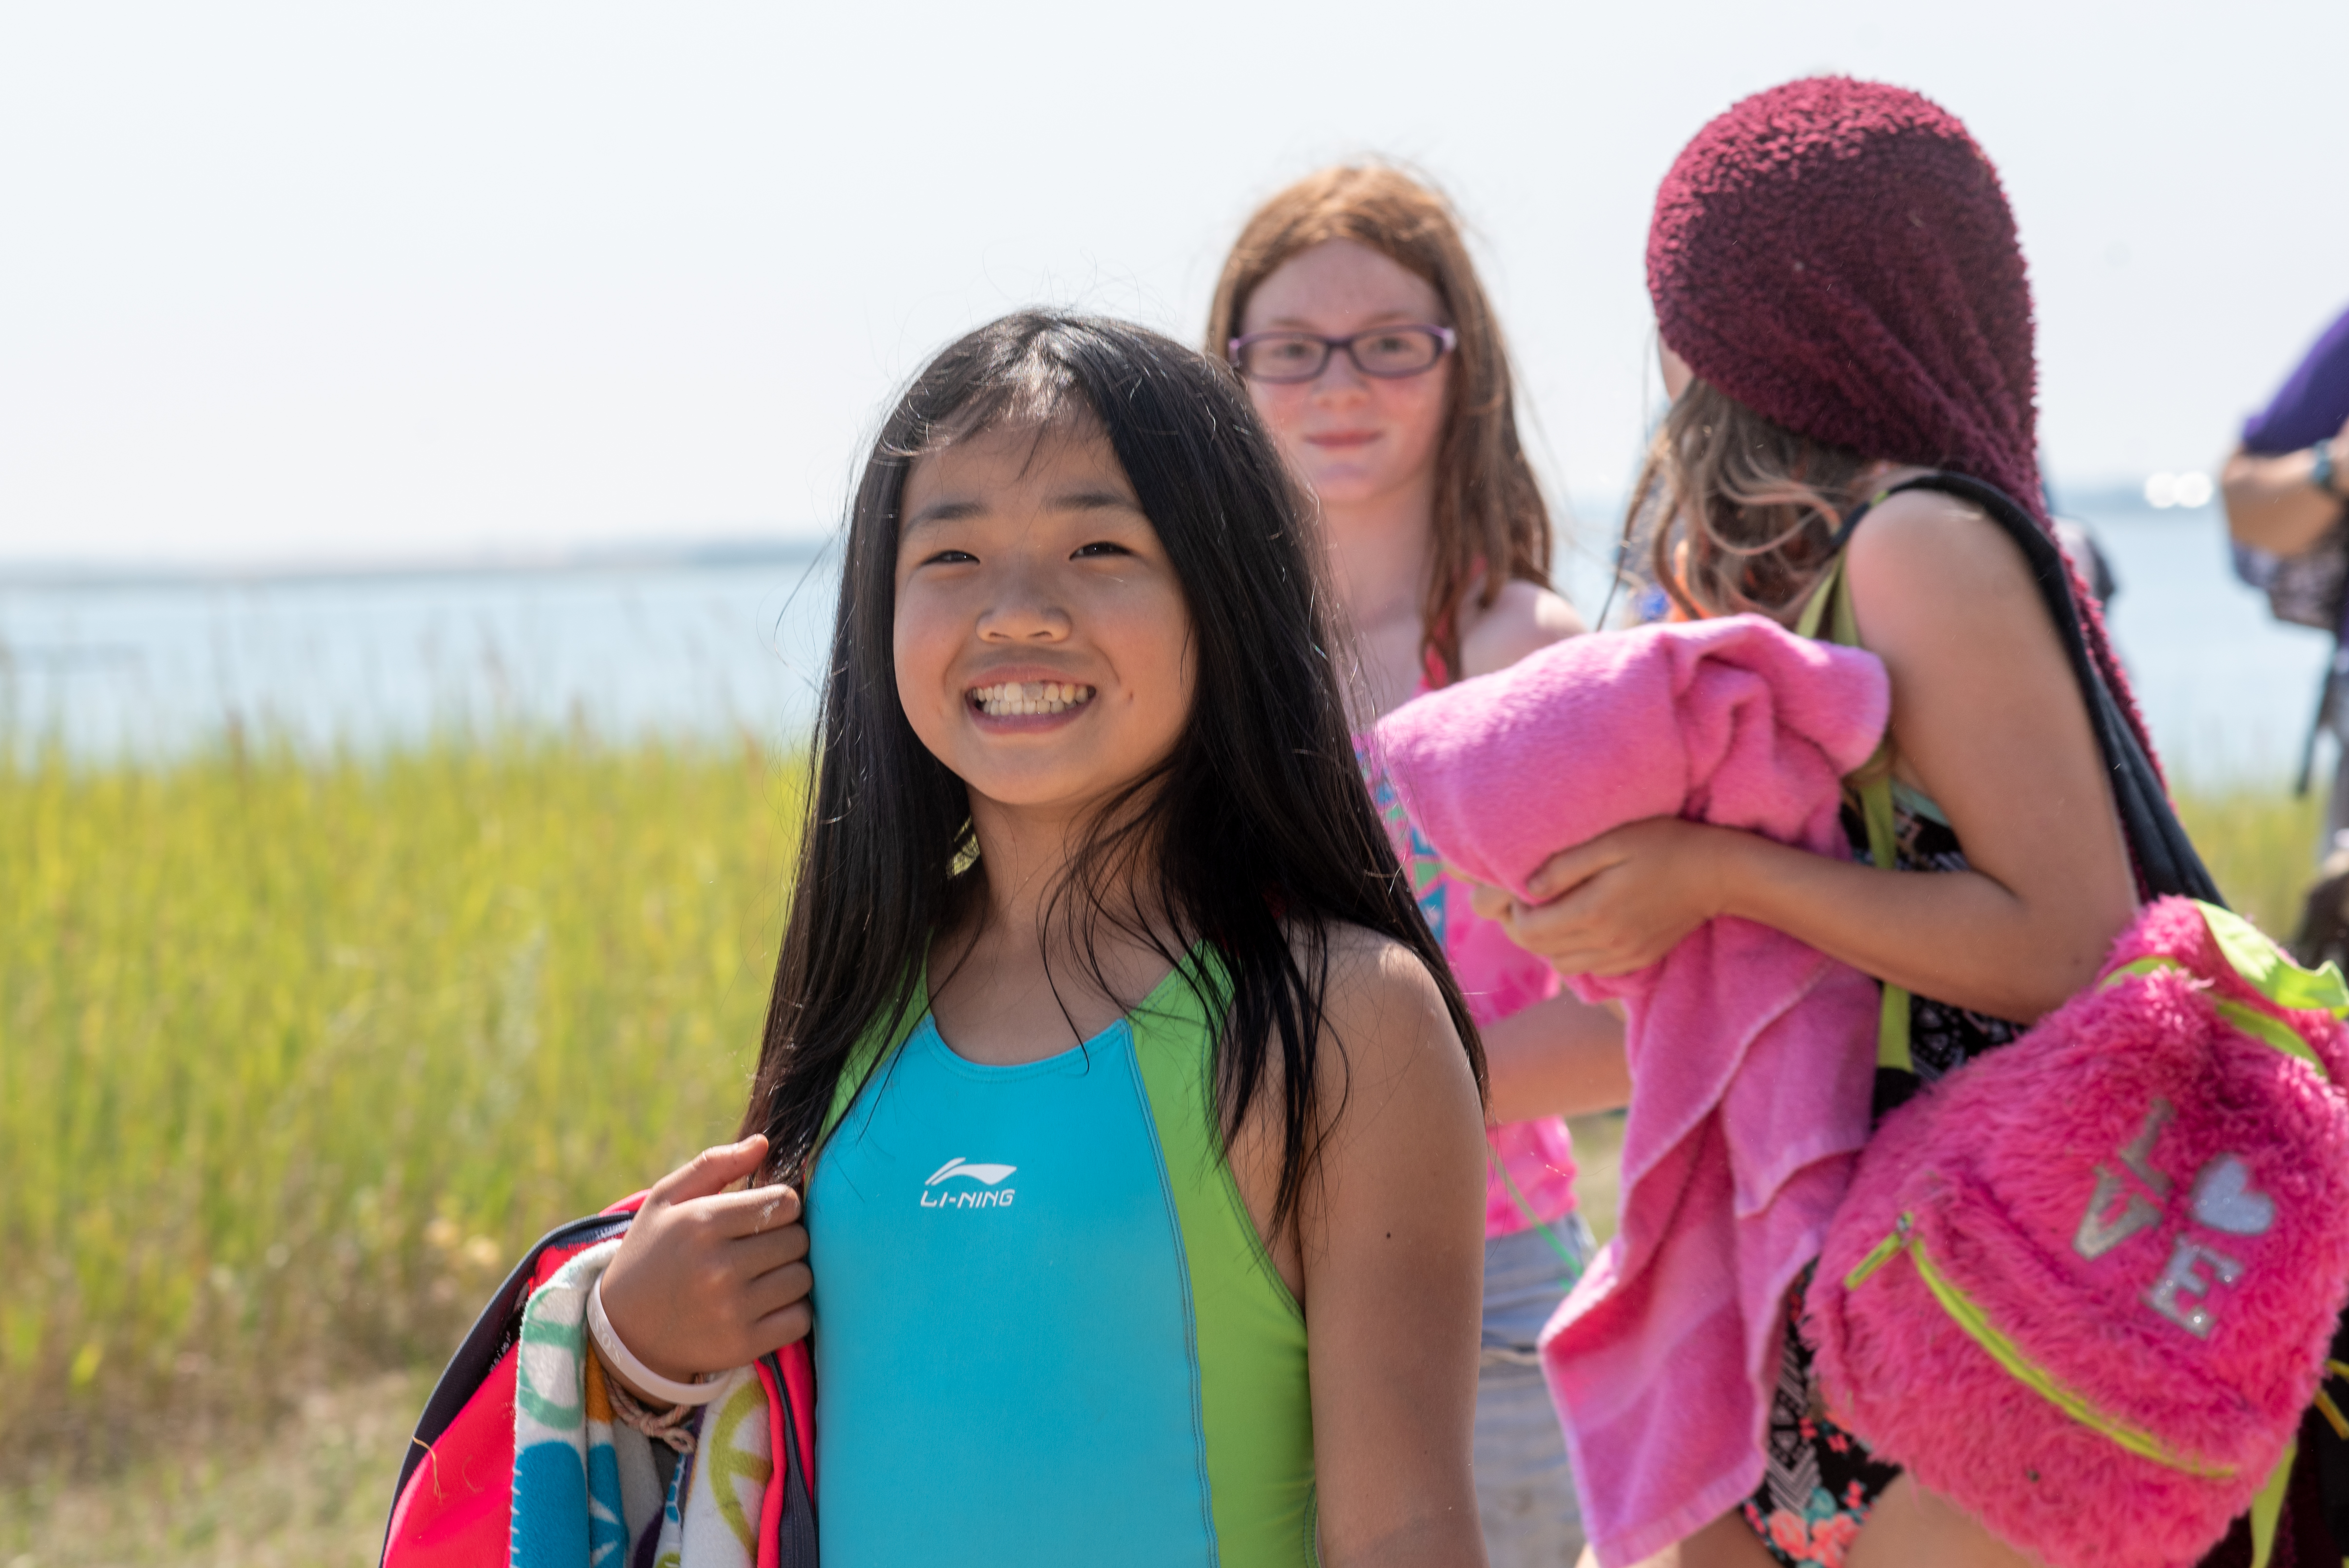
1047	1331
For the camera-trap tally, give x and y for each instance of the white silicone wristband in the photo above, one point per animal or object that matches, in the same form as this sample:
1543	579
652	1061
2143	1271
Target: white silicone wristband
625	1363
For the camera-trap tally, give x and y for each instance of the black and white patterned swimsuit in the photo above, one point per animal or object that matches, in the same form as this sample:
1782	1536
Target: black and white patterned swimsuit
1819	1481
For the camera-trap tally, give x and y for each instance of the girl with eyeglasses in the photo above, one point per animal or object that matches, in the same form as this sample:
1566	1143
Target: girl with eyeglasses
1352	313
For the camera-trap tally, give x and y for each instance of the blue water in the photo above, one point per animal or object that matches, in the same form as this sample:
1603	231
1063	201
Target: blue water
150	667
2228	690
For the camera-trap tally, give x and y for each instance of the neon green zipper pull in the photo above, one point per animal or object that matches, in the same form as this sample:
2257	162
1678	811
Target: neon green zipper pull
1886	1251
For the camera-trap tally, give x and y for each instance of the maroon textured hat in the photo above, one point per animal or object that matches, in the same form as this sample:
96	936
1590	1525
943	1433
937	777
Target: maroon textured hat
1838	256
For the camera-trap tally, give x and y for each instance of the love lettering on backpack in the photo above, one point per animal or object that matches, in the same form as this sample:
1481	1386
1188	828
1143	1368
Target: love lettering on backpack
2221	1198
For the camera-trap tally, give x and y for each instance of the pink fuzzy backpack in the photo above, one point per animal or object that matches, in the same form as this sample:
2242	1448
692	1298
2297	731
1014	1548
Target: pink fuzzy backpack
2084	1287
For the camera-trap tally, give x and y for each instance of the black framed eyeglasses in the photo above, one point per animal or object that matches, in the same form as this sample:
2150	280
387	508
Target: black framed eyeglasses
1389	353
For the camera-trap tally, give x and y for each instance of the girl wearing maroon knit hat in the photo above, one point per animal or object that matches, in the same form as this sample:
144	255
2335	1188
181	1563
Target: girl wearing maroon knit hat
1842	307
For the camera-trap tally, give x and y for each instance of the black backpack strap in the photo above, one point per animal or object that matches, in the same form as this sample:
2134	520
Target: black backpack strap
491	1335
2165	860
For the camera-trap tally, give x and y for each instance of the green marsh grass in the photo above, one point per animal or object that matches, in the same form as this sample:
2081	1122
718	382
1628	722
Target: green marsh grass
296	1054
2260	846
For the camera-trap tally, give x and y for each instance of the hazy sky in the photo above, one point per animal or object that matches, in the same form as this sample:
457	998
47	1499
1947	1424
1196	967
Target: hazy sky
345	279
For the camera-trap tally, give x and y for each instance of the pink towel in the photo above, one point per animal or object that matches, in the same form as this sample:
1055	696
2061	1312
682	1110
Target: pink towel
1752	1055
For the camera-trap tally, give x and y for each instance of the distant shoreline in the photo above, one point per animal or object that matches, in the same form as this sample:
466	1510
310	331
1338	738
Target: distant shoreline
2099	504
708	555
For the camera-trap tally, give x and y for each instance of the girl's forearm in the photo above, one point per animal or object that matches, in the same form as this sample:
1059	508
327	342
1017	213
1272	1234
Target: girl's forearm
1956	936
1561	1057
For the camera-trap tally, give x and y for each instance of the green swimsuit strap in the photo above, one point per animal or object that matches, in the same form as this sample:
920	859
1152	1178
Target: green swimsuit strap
888	1030
1827	615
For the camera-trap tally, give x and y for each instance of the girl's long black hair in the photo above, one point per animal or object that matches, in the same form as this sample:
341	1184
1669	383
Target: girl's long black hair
1256	834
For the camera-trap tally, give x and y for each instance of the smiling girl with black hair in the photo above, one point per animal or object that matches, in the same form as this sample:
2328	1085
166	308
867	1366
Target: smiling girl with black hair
1138	1116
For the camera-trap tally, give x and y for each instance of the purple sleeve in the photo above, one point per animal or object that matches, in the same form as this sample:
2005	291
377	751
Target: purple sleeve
2313	401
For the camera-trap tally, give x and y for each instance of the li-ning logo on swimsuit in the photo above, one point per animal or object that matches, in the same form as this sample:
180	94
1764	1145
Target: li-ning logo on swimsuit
991	1194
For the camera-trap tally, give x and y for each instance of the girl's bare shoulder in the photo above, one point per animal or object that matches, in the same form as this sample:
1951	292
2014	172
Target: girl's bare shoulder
1525	617
1375	968
1925	543
1385	1012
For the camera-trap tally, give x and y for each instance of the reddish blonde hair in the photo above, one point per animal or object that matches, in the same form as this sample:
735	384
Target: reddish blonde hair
1491	524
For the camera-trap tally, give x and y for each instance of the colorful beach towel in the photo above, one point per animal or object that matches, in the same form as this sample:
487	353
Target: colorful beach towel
453	1504
586	1492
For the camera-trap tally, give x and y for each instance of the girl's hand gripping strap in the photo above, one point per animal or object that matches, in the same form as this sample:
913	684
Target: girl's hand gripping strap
1829	606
